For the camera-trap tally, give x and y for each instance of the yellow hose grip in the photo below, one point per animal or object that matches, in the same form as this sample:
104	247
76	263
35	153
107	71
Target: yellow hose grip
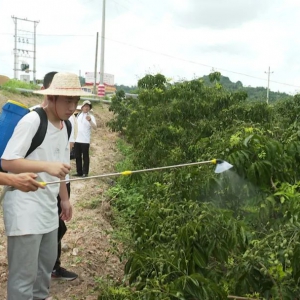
126	173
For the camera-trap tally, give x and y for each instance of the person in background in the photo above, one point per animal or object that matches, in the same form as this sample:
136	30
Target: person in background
46	83
74	134
85	121
58	271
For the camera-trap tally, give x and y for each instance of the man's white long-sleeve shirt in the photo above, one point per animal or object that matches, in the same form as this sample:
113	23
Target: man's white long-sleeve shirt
84	128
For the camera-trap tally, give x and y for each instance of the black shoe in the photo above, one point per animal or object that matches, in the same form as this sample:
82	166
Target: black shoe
77	175
63	274
85	175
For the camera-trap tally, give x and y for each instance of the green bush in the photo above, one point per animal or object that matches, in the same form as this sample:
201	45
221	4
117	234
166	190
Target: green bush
200	235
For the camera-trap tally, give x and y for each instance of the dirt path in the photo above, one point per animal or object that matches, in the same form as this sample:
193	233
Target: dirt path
86	245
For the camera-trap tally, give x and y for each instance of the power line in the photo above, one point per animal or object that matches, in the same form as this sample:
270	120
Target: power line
201	64
171	56
153	17
193	62
120	4
62	35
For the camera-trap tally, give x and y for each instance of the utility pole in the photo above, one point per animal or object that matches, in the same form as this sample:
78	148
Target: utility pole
96	62
15	50
34	52
24	52
102	45
268	89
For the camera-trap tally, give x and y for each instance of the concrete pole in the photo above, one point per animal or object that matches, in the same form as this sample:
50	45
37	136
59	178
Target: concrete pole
34	53
102	44
15	51
96	62
268	88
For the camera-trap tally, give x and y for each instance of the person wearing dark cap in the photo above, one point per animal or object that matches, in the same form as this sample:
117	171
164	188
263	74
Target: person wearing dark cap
85	121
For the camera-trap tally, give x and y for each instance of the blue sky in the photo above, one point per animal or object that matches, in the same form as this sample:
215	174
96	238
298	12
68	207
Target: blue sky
181	39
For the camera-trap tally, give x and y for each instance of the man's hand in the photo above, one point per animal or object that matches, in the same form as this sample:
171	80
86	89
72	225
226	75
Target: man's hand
88	118
58	169
66	210
25	182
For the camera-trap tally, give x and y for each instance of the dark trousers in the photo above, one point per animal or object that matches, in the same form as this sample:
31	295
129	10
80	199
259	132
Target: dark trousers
62	229
81	151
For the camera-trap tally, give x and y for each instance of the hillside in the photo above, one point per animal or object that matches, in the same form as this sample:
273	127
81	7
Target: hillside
86	245
254	93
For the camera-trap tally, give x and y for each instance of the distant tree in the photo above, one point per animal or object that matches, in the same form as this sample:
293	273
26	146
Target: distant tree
239	84
215	76
150	81
127	89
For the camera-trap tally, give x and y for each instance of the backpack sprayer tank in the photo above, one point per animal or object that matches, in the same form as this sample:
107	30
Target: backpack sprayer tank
12	112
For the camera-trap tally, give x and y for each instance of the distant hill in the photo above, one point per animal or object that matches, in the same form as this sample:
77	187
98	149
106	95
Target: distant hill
254	93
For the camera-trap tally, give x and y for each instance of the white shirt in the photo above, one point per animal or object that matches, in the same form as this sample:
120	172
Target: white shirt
74	132
72	135
34	212
84	128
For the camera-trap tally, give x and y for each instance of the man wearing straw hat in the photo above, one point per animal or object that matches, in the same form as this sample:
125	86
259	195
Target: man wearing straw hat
31	219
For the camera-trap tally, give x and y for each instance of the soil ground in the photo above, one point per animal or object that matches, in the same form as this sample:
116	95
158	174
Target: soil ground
86	245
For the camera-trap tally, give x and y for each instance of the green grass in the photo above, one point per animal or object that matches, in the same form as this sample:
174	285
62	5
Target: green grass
92	203
13	84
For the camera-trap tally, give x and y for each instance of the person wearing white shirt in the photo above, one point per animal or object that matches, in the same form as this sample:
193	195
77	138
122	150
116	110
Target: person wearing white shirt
58	271
31	219
85	121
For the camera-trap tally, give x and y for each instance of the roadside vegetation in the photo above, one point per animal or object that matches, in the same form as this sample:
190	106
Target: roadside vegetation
189	233
12	84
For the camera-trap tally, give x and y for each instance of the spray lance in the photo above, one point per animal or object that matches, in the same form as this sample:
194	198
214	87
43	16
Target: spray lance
221	166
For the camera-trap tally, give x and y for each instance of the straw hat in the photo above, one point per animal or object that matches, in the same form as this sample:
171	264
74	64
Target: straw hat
64	84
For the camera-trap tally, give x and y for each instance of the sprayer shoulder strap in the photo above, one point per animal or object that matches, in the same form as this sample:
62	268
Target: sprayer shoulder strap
41	131
69	128
39	136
